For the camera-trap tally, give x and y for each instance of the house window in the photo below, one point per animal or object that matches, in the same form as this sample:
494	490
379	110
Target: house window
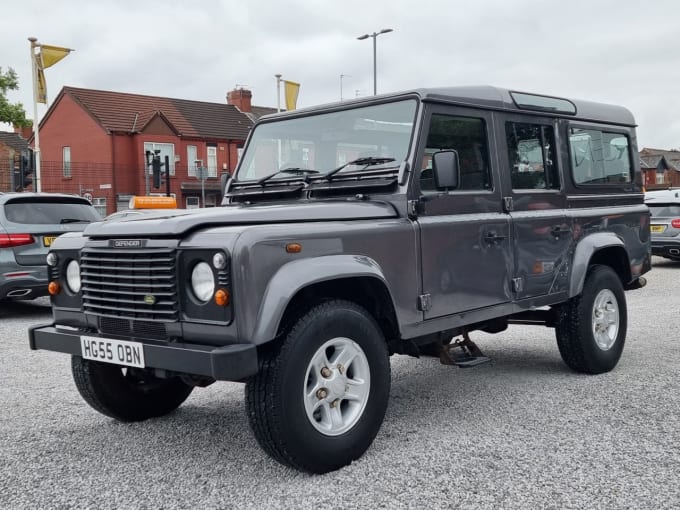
192	156
66	153
212	161
192	203
100	205
659	177
165	149
209	201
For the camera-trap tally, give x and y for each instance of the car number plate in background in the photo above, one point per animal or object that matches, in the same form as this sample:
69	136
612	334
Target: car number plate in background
48	240
118	352
657	228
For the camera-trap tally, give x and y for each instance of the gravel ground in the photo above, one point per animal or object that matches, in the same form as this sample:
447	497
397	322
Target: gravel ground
521	432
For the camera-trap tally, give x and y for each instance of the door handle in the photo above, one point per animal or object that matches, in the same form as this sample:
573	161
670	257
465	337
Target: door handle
558	231
492	238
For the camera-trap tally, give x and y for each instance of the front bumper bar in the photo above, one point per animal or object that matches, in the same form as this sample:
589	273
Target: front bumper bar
227	363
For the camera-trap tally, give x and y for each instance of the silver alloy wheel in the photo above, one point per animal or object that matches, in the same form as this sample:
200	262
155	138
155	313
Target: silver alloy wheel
337	386
605	319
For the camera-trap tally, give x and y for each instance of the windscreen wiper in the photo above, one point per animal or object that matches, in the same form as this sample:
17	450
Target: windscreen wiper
295	170
367	161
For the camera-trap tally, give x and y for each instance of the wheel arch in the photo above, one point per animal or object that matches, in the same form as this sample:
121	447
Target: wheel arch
299	285
604	248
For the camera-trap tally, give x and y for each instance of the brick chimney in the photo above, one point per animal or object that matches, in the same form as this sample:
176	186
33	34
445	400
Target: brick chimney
241	99
24	132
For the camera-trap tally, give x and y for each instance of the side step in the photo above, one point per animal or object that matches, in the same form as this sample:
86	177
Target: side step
469	355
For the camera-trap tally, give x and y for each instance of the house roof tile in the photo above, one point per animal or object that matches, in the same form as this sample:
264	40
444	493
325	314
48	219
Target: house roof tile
13	140
123	112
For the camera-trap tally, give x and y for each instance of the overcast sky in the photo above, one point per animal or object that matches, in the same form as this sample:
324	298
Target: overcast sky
616	51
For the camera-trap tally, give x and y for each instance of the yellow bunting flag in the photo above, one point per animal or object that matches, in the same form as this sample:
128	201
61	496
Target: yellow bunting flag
291	90
46	57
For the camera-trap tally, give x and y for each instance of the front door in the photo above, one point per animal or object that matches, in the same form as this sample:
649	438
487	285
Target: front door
464	233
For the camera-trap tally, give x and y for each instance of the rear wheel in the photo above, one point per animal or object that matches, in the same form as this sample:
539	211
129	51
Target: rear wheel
320	397
127	394
591	329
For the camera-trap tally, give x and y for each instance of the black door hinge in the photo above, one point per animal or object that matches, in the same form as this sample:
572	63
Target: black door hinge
424	302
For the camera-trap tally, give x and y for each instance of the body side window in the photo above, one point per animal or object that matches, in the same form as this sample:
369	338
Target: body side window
599	157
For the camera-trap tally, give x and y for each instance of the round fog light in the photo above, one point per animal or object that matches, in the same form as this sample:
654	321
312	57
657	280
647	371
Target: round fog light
202	282
73	276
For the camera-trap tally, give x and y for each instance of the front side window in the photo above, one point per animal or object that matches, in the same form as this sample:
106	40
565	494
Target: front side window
466	136
531	149
321	143
599	157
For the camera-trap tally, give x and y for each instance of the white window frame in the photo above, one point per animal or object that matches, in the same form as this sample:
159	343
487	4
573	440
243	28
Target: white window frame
192	156
212	161
193	202
660	177
66	155
167	149
100	205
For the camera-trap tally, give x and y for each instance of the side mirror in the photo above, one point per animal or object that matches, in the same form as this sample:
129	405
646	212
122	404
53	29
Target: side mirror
224	179
445	169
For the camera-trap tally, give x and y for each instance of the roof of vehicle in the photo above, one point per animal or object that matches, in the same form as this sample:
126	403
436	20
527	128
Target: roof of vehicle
27	195
663	196
495	98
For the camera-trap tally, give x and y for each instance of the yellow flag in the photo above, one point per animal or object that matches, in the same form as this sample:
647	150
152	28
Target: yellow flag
50	55
291	90
46	57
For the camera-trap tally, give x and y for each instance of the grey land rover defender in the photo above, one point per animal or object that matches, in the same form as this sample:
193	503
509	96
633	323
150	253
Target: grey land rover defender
349	232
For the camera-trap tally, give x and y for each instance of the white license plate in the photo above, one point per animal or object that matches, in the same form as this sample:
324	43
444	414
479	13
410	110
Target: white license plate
108	350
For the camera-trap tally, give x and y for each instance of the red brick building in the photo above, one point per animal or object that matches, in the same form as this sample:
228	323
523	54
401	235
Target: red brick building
11	146
660	168
94	143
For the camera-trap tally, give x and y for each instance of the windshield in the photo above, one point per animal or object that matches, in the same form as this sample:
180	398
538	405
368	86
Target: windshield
324	142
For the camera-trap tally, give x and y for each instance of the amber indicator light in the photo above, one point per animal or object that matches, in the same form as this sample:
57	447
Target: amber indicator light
53	288
293	248
222	297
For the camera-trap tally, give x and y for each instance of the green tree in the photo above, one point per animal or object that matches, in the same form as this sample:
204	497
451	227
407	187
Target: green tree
11	113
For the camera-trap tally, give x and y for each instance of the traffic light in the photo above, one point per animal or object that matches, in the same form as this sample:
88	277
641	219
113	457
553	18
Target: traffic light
156	168
23	177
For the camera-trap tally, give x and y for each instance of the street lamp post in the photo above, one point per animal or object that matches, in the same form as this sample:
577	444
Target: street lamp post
374	35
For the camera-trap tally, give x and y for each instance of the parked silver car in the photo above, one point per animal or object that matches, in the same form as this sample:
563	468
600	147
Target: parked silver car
29	222
665	222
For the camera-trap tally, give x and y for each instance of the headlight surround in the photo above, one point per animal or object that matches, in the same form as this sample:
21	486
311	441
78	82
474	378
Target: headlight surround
203	282
73	280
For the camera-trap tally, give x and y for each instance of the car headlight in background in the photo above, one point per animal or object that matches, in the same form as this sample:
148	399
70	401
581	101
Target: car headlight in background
73	276
202	282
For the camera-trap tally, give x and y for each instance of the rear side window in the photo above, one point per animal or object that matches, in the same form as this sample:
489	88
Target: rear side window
599	157
49	213
531	149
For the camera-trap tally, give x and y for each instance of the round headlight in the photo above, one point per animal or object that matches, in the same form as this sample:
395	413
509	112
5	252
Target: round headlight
52	259
73	276
202	282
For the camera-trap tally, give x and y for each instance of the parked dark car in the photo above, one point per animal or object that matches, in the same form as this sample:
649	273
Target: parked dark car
665	224
29	223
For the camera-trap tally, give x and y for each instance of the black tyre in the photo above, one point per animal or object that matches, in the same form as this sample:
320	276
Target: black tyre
591	329
320	396
127	394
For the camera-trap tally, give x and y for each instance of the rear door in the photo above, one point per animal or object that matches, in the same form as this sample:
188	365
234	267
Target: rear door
465	235
44	218
531	179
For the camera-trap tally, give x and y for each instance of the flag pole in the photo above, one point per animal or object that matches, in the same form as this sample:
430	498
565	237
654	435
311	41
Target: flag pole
278	92
36	131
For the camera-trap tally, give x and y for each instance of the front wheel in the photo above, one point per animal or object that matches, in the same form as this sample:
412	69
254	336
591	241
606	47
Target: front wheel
591	329
127	394
320	397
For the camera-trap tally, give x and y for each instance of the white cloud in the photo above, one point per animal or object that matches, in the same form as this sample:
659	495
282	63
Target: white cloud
615	51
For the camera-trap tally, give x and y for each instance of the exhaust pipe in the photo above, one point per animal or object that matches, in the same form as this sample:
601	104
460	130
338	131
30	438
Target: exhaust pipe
18	293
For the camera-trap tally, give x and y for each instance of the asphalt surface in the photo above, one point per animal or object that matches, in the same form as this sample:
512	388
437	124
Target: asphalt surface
521	432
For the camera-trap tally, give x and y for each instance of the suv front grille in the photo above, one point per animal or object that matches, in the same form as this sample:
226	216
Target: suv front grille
130	284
